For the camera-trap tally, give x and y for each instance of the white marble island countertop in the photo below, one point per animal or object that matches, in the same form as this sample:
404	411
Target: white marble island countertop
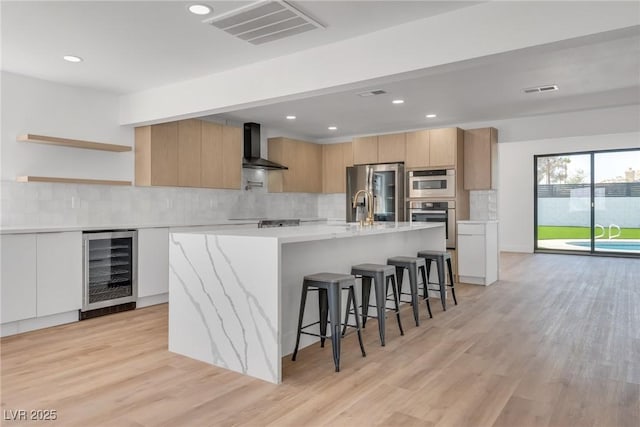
307	233
234	292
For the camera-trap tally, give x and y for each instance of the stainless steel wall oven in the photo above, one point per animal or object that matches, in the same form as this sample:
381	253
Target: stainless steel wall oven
439	183
436	211
110	272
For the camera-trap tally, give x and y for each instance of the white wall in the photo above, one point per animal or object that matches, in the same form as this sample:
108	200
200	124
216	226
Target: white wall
515	193
37	106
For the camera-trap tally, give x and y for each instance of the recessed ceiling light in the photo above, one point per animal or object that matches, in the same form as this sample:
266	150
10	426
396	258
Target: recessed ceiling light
199	9
332	128
430	116
291	117
72	58
398	101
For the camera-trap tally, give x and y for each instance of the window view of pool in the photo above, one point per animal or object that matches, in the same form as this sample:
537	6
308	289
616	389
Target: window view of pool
609	245
588	198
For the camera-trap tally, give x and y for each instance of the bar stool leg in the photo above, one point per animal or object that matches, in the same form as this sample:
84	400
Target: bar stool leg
413	282
453	291
426	290
324	312
303	300
399	276
334	318
396	299
441	282
352	293
381	303
346	314
366	295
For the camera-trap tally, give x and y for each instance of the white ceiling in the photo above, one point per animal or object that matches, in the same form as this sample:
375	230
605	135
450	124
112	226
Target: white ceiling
130	46
592	72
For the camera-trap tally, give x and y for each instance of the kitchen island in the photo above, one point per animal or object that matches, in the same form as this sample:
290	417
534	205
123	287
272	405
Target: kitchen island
234	293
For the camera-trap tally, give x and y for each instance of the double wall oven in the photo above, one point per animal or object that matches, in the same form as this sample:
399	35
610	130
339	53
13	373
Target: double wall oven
432	195
436	211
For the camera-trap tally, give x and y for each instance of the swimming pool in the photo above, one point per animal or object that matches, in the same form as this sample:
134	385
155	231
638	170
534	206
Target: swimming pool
610	245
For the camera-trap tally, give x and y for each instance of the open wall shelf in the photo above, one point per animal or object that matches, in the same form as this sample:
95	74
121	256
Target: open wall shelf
70	180
75	143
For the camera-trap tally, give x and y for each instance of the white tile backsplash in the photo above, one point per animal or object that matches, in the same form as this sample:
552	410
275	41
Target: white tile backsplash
483	205
49	204
332	206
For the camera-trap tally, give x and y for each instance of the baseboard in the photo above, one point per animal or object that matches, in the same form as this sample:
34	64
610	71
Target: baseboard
152	300
526	249
27	325
473	280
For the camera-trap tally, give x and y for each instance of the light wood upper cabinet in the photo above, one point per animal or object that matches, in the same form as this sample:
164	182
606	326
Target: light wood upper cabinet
365	150
189	153
304	161
231	157
434	148
280	150
443	147
347	152
480	159
417	149
312	164
335	159
211	160
391	148
156	154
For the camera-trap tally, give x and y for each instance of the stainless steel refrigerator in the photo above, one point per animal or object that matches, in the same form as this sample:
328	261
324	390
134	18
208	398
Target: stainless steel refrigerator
386	184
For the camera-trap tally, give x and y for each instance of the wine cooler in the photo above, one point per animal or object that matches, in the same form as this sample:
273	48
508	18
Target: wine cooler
110	272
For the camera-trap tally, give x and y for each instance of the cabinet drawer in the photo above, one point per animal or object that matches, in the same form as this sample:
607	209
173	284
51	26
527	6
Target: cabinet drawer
470	228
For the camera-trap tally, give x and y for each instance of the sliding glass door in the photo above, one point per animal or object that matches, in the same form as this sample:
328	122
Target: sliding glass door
588	202
617	201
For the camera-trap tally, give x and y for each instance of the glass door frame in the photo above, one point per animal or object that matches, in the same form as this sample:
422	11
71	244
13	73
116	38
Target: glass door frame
592	191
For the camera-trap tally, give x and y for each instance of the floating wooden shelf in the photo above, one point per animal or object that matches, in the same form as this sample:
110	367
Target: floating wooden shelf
70	180
76	143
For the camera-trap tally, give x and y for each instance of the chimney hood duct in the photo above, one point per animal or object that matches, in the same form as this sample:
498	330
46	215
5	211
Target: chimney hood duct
252	159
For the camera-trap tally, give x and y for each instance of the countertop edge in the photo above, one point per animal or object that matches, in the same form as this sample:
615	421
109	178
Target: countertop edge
63	228
329	235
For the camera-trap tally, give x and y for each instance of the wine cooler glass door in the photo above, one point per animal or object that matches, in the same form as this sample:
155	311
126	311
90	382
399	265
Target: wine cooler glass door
110	276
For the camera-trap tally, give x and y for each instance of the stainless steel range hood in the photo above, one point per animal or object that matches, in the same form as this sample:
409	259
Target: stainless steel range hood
252	159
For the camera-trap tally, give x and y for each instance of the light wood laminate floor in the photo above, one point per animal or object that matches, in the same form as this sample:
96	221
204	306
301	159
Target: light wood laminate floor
555	343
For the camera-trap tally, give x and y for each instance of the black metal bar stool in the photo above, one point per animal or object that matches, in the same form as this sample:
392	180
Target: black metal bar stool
383	276
413	264
439	258
329	287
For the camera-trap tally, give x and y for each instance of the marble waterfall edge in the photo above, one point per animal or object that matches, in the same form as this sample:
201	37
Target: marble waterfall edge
224	292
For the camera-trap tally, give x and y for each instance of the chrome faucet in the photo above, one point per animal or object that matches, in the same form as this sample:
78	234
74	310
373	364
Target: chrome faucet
369	201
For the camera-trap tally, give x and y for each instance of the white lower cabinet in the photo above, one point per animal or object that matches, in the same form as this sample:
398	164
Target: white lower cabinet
478	252
18	277
153	261
41	275
59	272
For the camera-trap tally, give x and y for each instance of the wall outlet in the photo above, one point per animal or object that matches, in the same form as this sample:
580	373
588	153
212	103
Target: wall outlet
75	202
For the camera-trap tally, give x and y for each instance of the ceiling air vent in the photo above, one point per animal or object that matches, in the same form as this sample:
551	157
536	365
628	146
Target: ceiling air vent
264	21
372	92
539	89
